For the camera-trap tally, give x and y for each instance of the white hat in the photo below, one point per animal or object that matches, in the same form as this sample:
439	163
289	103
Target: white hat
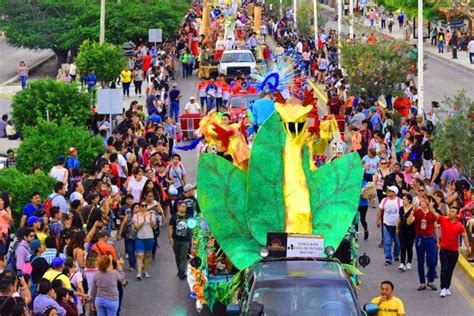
392	188
192	98
408	164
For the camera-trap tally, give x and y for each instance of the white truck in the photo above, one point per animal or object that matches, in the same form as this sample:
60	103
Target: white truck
235	62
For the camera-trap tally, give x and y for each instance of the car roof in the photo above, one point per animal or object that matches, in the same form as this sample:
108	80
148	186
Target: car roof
302	269
237	51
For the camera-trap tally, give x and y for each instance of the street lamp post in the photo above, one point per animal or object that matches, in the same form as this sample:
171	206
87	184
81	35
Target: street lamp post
420	58
315	14
102	22
281	9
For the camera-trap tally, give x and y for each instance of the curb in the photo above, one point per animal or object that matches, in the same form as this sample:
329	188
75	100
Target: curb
466	266
431	54
31	68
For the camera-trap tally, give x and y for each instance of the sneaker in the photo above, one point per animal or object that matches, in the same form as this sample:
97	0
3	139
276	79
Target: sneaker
402	267
442	293
448	292
422	287
366	235
409	266
397	259
126	256
388	263
139	276
146	275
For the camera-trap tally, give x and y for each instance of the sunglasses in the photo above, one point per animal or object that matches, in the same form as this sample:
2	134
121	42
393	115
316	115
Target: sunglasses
383	163
143	205
421	190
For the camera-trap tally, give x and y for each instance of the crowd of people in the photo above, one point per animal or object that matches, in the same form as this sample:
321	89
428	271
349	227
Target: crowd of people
64	258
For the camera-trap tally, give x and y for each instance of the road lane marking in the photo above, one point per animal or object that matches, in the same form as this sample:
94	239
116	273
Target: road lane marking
467	296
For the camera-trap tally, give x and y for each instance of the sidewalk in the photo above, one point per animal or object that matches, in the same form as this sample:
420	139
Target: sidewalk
362	24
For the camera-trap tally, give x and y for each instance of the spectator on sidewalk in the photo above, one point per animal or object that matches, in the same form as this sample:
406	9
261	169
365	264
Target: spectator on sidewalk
441	39
470	50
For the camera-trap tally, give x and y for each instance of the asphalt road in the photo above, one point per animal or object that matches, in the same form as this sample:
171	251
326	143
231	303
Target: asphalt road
164	294
11	57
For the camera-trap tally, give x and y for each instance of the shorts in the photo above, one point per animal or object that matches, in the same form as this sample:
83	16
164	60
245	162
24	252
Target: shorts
144	245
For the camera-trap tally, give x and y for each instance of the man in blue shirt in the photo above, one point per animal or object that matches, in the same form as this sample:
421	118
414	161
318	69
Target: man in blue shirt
72	162
91	80
175	95
30	209
375	119
155	118
262	109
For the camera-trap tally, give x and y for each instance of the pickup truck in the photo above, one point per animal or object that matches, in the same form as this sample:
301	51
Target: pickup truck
235	62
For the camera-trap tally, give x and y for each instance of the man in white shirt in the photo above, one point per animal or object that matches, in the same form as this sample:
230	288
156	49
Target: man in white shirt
122	166
192	106
389	210
470	50
229	44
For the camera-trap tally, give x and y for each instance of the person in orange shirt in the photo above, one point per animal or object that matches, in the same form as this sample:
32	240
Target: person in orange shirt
220	83
102	247
371	38
202	84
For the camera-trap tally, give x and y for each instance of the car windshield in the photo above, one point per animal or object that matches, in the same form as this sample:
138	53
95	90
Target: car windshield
237	58
238	101
305	297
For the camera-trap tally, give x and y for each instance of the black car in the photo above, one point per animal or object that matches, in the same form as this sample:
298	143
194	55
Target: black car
296	286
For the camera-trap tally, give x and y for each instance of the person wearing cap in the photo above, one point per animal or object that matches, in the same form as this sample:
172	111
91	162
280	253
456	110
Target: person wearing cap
56	272
409	173
388	210
375	120
102	247
35	223
59	172
174	96
425	243
30	208
188	196
39	264
72	162
192	107
180	237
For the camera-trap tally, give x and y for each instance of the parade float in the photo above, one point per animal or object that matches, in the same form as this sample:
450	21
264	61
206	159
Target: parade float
273	188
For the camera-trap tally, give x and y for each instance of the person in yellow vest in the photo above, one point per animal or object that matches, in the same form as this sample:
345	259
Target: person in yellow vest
389	305
126	79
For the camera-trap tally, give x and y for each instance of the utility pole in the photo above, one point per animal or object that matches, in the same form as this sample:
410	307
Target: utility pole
294	13
281	9
420	87
351	19
315	14
102	22
339	30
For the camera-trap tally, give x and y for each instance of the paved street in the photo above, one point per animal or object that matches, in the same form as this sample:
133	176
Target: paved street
164	294
11	57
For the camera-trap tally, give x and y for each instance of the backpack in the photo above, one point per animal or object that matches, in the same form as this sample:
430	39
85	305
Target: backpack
48	204
11	256
399	202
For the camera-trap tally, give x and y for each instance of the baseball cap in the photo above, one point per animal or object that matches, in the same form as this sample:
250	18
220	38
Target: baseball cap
103	233
192	98
71	149
175	84
373	108
61	159
32	220
392	188
34	245
180	202
188	187
57	262
407	164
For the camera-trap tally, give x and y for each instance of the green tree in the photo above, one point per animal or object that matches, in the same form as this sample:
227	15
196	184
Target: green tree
58	99
107	60
20	186
62	25
376	69
305	19
410	7
453	138
38	150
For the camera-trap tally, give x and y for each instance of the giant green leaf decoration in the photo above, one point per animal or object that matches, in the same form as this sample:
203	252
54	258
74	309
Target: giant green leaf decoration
222	199
265	205
335	193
